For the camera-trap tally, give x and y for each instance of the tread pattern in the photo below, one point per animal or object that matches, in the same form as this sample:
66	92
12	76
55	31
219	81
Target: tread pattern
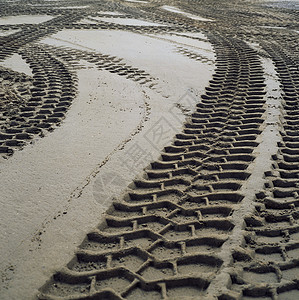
41	104
164	238
44	100
165	233
271	251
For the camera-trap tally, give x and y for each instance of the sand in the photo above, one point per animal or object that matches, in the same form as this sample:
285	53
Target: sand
14	20
8	32
188	15
149	150
113	116
127	21
16	63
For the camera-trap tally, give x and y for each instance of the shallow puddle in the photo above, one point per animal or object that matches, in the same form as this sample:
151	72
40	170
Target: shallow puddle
16	63
129	21
24	19
188	15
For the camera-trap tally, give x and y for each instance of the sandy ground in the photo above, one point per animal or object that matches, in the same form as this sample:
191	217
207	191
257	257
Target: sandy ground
14	20
188	15
16	63
184	116
113	124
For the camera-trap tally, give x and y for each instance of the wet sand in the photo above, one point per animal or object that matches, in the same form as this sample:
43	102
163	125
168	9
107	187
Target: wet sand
167	132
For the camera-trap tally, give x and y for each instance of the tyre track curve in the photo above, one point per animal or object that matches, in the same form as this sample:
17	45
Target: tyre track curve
271	248
178	231
159	238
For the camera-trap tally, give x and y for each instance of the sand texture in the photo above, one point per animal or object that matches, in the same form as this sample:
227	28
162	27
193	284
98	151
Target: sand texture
149	149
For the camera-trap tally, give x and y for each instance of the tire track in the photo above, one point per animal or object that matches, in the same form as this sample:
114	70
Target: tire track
170	226
272	246
52	89
193	225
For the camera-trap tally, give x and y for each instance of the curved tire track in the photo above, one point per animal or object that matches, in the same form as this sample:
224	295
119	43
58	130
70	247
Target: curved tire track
177	218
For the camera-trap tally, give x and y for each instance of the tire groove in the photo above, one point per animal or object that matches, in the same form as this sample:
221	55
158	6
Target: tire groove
179	214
